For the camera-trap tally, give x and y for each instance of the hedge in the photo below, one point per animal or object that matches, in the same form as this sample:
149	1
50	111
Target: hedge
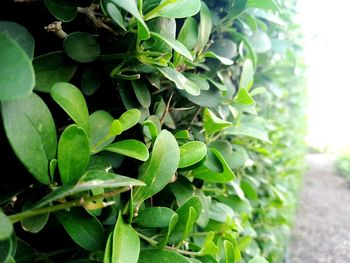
149	130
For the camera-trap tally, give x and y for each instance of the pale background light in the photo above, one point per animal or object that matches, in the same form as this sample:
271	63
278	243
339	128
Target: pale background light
326	26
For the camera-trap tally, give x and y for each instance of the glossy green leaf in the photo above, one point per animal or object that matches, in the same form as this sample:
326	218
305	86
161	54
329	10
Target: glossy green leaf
115	14
51	68
90	81
258	259
84	229
161	256
155	217
260	42
203	218
32	134
223	60
160	167
247	76
100	123
174	44
92	179
269	5
64	10
243	97
72	102
180	81
24	252
224	47
207	98
125	243
175	9
131	148
17	77
191	153
20	35
250	131
199	80
249	189
82	47
130	118
73	154
6	227
237	9
209	247
172	223
189	33
6	247
229	252
182	189
131	7
213	124
206	173
35	223
205	26
220	212
250	51
142	93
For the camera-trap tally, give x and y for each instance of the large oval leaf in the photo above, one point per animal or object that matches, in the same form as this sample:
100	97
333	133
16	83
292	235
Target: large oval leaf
32	134
81	47
73	154
72	102
161	256
51	68
6	227
131	148
16	71
155	217
175	9
84	229
160	167
64	10
191	153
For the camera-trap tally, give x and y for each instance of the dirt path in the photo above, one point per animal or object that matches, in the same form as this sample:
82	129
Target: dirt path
322	228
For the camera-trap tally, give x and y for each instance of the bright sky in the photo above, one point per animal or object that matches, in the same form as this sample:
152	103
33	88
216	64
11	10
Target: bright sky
326	25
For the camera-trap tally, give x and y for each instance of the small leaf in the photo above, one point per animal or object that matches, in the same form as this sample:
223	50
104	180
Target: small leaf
243	97
250	131
160	167
142	93
131	148
17	77
64	10
174	44
115	14
238	8
130	118
268	5
161	256
213	124
90	81
100	123
155	217
82	47
229	252
125	243
20	35
258	259
84	229
260	41
191	153
72	102
205	26
6	227
224	47
189	33
209	247
250	51
223	60
180	81
73	154
175	9
208	98
31	132
51	68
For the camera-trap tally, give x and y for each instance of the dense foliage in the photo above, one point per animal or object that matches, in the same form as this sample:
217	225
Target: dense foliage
342	165
149	130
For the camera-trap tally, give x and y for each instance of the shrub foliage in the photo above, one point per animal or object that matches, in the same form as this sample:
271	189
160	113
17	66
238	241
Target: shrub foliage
149	130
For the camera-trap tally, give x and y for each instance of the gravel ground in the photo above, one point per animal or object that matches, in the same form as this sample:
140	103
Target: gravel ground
322	227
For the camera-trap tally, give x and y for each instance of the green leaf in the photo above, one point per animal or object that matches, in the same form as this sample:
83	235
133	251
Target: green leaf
35	223
17	77
250	131
258	259
209	247
51	68
206	173
205	27
260	42
189	33
249	189
180	81
160	167
91	180
131	148
100	123
142	93
6	227
24	252
32	134
268	5
72	102
73	154
229	252
237	9
84	229
208	98
175	9
223	60
64	10
174	44
130	118
224	47
161	256
250	51
243	97
155	217
213	124
191	153
115	14
125	243
131	7
90	81
6	248
20	35
220	212
82	47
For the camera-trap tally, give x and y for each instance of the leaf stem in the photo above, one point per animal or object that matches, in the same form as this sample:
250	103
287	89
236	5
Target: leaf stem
75	203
